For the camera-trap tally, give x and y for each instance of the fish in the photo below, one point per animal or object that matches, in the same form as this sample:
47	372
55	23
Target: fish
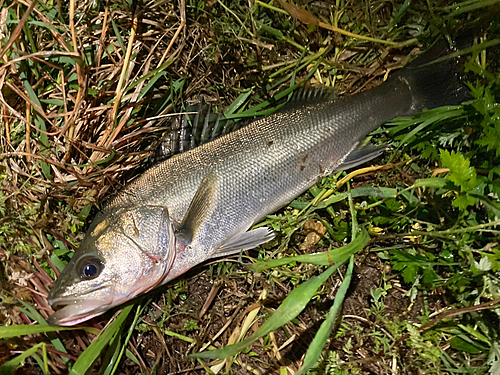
202	203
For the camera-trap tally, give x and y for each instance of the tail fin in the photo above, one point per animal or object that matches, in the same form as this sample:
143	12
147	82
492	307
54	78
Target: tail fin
434	79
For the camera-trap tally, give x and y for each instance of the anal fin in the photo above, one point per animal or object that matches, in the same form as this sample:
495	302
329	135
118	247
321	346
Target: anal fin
245	241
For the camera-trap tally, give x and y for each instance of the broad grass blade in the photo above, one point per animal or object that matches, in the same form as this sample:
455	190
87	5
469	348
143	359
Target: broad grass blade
16	331
333	257
89	356
319	341
240	100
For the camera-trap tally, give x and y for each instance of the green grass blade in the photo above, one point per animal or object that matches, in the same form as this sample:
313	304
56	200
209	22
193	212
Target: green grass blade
331	257
39	123
38	120
153	73
314	352
150	84
292	306
256	110
400	123
119	37
112	352
374	191
31	313
43	24
434	182
240	100
400	13
42	363
89	356
127	339
132	357
424	120
8	368
16	331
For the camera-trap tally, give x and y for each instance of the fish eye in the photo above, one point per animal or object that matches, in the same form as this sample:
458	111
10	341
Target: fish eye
89	268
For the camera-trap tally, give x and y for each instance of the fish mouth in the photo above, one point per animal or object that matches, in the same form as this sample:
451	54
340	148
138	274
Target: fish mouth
75	310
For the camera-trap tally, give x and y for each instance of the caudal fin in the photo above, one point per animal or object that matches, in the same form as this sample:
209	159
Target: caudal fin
434	79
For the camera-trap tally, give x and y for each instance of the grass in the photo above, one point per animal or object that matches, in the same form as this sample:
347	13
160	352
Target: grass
89	88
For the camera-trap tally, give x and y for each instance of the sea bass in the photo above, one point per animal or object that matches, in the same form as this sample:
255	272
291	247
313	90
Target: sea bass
202	204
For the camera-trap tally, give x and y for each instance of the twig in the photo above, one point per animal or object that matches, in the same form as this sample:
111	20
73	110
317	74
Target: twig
119	93
28	130
305	16
81	83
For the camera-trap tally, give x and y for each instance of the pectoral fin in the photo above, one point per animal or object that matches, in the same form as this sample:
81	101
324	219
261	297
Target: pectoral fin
200	208
360	156
245	241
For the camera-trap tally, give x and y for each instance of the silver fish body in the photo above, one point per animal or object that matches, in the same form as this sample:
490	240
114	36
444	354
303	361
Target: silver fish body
202	203
263	166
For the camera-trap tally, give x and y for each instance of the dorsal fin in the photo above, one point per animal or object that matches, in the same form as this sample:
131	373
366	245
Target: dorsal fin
199	124
310	95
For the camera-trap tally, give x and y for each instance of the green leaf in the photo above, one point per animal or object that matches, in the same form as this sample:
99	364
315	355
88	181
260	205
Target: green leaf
57	262
429	276
433	182
46	170
461	173
410	274
373	191
491	137
465	344
462	201
272	31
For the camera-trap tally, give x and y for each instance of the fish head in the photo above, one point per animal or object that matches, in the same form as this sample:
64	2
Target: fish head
122	255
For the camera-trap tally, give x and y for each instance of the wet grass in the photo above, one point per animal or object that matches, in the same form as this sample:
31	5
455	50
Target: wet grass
87	89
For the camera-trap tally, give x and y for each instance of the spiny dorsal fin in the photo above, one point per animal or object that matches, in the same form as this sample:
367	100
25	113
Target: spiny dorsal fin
310	95
197	126
200	124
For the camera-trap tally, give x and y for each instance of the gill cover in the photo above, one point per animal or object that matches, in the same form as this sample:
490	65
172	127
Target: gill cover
122	255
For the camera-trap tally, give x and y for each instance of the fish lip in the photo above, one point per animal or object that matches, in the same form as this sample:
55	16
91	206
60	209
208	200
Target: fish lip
75	310
78	309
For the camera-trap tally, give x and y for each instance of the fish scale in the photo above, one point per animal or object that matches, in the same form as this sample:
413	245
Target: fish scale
266	157
202	203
